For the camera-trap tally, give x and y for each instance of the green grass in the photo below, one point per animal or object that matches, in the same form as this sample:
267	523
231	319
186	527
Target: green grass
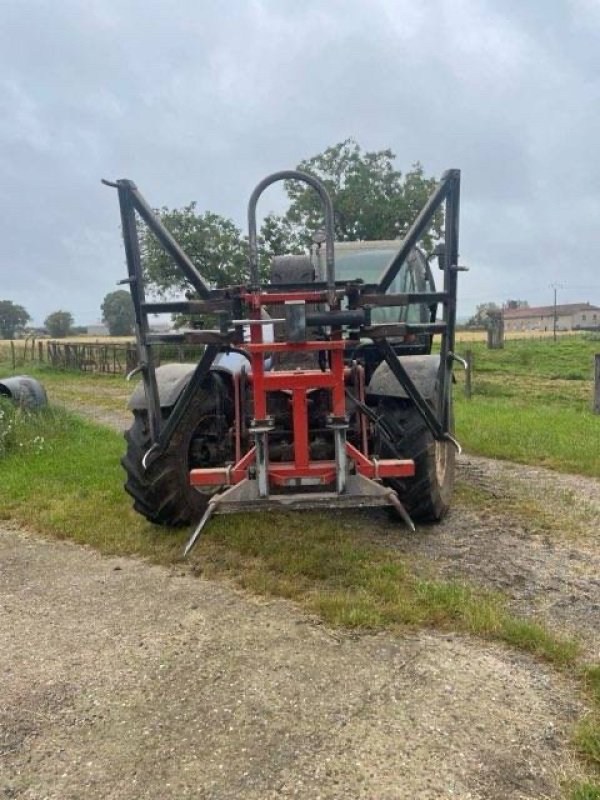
556	436
568	356
531	404
585	791
71	486
587	731
78	388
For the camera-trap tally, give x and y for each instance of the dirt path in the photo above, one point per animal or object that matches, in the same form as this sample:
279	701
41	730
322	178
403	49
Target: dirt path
124	680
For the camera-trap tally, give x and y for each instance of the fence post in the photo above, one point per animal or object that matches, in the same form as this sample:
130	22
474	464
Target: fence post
495	330
12	352
596	387
468	373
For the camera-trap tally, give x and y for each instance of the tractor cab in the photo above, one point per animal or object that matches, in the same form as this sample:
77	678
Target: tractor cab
367	261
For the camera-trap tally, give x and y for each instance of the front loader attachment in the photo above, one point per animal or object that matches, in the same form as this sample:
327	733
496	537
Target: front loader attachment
294	436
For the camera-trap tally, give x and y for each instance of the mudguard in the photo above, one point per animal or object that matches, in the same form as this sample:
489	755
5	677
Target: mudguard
423	371
23	390
172	379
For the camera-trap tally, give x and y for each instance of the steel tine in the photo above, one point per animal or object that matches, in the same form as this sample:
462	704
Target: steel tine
395	501
210	510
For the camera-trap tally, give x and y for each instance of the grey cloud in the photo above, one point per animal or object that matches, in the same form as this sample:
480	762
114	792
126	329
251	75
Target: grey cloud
200	100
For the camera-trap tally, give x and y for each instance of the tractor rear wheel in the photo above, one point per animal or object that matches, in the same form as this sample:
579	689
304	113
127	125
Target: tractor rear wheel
162	493
427	495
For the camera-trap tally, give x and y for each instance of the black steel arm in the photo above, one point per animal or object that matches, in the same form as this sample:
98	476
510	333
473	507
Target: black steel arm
450	262
417	229
167	241
405	299
136	286
182	405
404	379
162	234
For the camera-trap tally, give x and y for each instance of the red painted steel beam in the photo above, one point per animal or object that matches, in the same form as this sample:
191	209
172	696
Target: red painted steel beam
265	298
286	379
300	425
380	468
292	347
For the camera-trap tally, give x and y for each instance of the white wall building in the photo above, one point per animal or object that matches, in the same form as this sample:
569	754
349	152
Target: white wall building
569	317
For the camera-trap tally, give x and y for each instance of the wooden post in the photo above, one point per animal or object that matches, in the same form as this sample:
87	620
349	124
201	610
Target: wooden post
40	352
495	330
468	373
12	352
596	388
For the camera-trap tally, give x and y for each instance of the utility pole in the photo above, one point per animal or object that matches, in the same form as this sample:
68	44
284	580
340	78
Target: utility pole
555	286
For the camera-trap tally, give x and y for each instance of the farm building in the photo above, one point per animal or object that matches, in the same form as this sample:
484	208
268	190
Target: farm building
97	329
569	317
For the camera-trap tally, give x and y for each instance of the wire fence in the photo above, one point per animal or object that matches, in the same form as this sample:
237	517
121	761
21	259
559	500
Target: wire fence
118	358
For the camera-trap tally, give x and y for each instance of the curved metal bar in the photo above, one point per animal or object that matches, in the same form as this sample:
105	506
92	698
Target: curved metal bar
318	186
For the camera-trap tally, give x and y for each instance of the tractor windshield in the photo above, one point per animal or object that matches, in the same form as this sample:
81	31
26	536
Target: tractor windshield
367	260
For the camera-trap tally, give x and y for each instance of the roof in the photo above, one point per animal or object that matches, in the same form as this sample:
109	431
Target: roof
547	311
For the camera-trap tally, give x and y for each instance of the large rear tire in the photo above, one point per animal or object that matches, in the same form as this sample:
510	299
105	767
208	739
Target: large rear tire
162	492
428	494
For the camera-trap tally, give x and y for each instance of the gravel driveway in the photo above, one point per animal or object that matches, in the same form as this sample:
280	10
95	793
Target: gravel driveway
126	680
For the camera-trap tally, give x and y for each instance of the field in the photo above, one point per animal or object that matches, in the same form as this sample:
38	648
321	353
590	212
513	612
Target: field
531	403
516	562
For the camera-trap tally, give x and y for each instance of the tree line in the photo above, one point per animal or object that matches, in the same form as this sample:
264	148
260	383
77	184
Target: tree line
117	314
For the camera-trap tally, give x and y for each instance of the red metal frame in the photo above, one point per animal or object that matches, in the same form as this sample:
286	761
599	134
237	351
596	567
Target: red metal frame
299	382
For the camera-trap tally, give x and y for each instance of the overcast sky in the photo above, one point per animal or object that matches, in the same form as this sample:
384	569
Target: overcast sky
198	100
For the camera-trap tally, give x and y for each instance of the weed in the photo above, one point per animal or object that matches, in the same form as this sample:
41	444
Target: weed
587	738
22	431
585	791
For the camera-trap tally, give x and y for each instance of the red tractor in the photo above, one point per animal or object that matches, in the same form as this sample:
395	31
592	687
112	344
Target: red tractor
316	388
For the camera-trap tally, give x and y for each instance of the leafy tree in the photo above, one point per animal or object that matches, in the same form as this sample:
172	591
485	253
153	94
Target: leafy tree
58	324
279	236
481	315
118	313
371	198
12	317
214	244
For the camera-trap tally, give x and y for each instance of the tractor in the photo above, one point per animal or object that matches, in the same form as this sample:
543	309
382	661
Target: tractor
316	388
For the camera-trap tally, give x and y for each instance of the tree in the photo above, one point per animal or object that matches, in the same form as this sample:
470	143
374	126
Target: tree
279	236
12	317
58	324
214	244
482	312
372	200
118	313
